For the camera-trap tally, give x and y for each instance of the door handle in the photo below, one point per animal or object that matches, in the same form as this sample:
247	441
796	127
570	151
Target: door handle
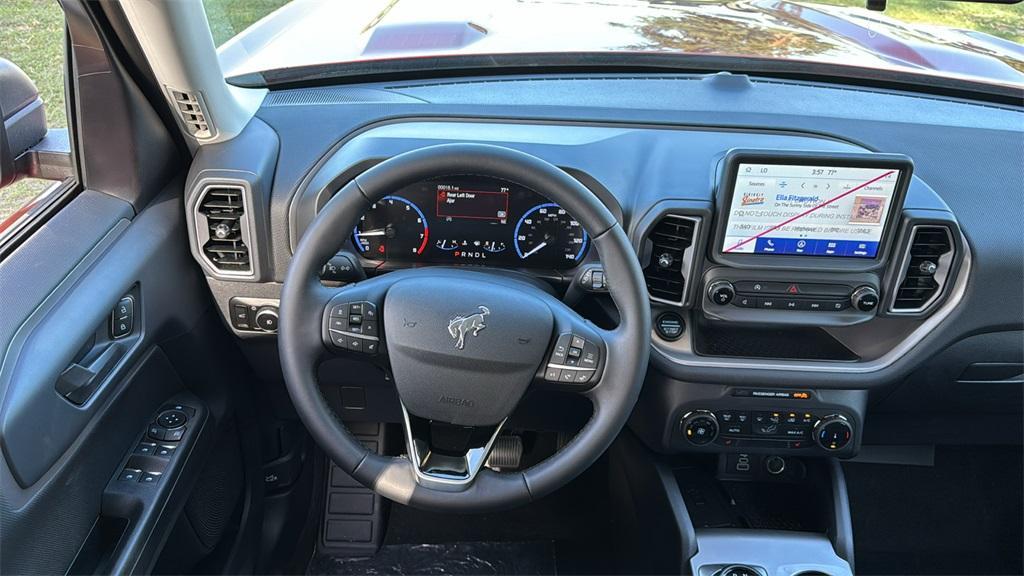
77	383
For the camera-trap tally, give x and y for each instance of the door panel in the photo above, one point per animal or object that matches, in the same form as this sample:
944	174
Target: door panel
58	291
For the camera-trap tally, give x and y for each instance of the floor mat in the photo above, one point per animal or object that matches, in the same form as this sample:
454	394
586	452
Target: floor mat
520	558
961	516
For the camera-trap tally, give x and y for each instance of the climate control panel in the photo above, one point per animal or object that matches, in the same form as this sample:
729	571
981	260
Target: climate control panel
823	431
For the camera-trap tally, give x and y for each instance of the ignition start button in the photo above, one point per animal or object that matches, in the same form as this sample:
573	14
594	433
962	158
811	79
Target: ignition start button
669	326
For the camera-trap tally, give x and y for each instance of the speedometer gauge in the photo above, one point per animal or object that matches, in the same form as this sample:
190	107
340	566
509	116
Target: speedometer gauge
393	227
547	235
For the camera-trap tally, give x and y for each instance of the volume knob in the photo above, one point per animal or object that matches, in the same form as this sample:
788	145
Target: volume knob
721	292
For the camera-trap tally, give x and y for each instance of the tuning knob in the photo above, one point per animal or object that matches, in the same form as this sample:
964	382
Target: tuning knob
833	432
864	298
721	292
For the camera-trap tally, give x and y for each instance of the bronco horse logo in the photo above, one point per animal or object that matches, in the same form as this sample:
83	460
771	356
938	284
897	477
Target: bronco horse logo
459	326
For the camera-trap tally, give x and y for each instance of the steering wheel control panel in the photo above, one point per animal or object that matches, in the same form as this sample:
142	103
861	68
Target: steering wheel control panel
355	326
573	360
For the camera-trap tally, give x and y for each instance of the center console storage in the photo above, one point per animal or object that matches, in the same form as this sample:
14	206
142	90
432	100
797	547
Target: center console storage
766	514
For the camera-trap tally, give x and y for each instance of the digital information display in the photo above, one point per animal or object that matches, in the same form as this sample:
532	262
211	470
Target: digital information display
809	210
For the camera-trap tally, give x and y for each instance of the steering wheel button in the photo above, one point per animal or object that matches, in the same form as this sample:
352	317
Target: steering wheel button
369	328
355	308
340	310
339	323
370	347
572	361
577	341
552	374
591	355
568	376
355	329
354	344
339	340
355	319
575	352
583	376
369	311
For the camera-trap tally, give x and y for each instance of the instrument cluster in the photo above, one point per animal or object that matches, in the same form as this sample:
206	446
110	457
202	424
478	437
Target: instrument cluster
470	220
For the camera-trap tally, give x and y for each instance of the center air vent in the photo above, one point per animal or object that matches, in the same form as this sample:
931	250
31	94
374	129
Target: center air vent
926	266
222	229
671	256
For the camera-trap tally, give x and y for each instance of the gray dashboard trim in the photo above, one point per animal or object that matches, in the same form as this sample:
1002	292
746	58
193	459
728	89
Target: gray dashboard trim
685	357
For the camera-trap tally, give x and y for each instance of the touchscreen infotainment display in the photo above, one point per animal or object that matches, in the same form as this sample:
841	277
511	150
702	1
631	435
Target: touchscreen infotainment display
796	210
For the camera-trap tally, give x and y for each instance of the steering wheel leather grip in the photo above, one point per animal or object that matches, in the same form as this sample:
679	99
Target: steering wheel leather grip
450	372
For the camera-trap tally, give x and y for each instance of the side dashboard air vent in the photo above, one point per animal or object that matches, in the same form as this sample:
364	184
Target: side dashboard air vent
671	242
192	113
222	230
925	268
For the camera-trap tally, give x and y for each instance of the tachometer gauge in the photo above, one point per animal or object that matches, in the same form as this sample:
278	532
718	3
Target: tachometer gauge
548	236
393	227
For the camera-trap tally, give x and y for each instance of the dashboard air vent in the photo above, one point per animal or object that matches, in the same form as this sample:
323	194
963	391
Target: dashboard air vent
220	219
670	241
926	265
192	113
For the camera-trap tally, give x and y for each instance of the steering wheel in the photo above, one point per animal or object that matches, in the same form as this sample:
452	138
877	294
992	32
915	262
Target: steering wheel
462	345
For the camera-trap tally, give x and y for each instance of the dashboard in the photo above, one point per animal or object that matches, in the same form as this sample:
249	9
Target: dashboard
810	251
470	220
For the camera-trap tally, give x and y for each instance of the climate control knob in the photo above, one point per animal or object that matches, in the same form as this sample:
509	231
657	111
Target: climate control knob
699	427
721	292
833	432
864	298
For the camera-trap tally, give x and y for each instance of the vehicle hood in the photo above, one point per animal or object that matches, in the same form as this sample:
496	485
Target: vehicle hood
311	32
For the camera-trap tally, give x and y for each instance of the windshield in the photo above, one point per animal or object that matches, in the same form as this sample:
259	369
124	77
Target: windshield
977	42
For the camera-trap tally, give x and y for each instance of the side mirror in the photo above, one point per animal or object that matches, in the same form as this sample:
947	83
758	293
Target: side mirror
24	121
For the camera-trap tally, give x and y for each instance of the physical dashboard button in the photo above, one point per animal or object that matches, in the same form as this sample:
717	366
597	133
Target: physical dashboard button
669	326
833	432
766	423
721	292
699	427
240	317
266	318
747	301
864	298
